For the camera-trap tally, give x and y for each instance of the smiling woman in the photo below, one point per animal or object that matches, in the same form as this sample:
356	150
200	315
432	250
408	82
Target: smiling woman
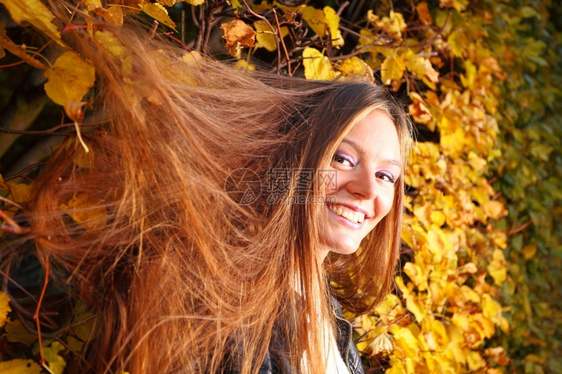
368	162
186	274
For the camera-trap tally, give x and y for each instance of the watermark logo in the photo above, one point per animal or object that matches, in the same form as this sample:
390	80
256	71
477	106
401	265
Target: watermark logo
245	187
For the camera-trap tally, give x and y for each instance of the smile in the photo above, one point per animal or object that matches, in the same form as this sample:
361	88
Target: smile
349	214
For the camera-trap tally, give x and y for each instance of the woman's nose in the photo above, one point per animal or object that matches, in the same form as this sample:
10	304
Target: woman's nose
363	183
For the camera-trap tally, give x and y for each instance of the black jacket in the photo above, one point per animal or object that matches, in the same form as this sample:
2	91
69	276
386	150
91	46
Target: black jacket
274	362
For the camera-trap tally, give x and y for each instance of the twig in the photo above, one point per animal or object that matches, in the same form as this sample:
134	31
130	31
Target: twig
36	315
51	131
12	227
520	228
275	32
279	39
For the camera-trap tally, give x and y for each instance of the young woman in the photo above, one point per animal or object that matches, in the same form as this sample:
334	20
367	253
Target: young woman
184	275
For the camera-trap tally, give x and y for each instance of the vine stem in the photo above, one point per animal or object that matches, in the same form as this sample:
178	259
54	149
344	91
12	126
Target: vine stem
36	316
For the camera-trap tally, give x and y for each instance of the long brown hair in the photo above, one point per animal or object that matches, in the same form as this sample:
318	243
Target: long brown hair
184	277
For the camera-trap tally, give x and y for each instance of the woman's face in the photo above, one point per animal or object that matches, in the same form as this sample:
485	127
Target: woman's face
367	164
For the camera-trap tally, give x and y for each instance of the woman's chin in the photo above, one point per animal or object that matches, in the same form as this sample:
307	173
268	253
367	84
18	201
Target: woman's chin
344	248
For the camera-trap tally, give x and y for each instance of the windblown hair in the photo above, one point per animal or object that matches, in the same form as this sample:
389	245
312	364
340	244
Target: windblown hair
183	276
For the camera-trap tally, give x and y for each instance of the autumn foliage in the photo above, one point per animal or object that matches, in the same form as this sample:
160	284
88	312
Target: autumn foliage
477	287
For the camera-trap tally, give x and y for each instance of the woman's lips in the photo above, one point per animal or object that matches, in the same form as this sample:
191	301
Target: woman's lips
350	215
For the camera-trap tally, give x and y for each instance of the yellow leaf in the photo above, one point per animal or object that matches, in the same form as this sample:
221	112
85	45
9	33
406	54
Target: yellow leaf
461	320
405	343
534	358
392	69
491	309
390	309
194	2
69	79
416	306
243	64
392	25
265	37
4	308
316	19
19	192
468	78
475	361
459	5
453	142
354	66
497	269
438	218
265	5
495	209
529	251
316	65
167	3
34	12
55	362
20	366
86	211
237	35
333	21
420	66
159	13
112	45
417	275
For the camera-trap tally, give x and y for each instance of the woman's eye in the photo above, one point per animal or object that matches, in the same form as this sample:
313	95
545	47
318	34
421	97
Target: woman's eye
343	160
387	177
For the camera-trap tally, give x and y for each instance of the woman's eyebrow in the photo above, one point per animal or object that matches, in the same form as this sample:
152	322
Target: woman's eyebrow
362	151
355	145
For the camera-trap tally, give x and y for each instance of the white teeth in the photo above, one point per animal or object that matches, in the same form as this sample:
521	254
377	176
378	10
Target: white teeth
347	213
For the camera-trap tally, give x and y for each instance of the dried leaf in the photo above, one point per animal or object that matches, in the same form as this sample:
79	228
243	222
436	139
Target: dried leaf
15	332
88	212
69	79
36	13
2	32
423	13
238	35
21	52
383	343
